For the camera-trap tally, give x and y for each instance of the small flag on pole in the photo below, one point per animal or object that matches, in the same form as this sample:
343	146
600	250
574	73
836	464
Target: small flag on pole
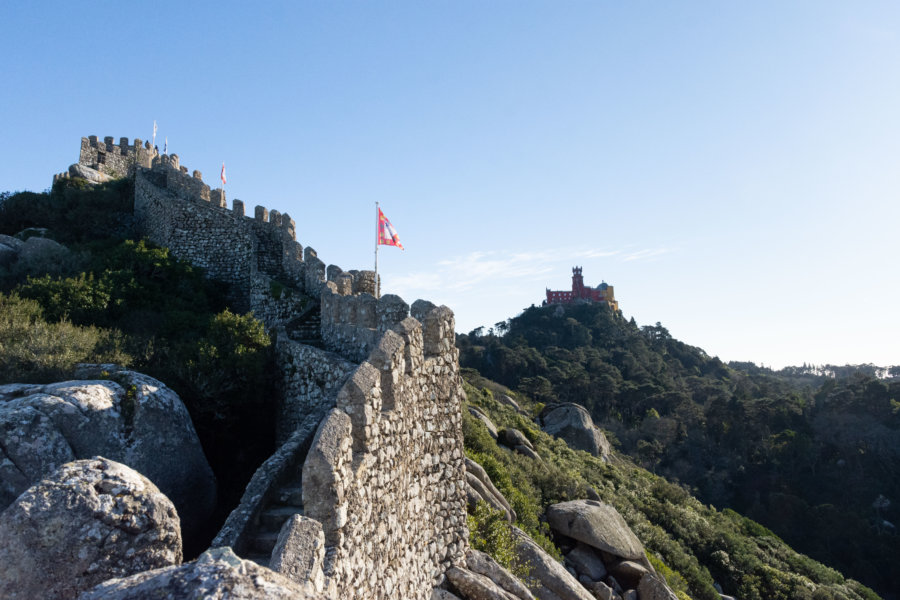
223	173
154	129
387	235
166	146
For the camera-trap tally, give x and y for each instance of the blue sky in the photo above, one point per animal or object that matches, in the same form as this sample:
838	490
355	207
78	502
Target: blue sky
731	168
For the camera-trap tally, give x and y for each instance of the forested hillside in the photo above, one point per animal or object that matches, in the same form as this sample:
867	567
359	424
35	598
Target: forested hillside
812	457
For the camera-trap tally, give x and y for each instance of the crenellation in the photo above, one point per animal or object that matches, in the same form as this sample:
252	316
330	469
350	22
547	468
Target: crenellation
217	198
288	224
275	218
237	206
332	272
385	475
261	213
197	175
390	310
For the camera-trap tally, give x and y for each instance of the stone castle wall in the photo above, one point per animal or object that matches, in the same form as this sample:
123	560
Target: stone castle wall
385	475
258	256
115	160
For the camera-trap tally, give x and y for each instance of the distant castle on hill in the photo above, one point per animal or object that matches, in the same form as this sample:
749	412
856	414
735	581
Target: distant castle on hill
582	293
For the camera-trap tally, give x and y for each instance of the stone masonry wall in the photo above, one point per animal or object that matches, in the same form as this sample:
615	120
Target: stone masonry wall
116	160
352	323
385	475
257	256
310	380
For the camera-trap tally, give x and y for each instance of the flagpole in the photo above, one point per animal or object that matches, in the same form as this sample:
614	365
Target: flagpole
377	226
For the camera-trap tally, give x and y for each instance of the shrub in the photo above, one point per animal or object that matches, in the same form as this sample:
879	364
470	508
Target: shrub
35	351
490	533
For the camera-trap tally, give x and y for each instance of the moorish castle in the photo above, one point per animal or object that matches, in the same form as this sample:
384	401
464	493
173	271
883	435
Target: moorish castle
370	424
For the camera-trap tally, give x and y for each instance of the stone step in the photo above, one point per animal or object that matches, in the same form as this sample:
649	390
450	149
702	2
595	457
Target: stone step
262	543
273	517
289	495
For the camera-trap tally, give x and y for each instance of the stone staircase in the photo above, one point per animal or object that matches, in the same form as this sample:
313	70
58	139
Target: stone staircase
307	327
286	501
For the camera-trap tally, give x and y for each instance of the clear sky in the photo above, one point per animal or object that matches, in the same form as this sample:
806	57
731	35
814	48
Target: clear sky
730	167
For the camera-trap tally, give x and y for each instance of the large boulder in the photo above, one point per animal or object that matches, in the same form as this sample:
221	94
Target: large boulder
598	525
129	418
651	587
478	414
549	580
217	573
482	564
9	249
88	174
473	586
586	563
89	521
573	424
480	487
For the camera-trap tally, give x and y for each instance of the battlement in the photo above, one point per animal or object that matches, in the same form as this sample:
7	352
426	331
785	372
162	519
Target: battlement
385	469
168	172
115	160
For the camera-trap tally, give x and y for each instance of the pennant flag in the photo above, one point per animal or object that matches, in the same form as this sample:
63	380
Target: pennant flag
166	146
154	129
387	235
223	173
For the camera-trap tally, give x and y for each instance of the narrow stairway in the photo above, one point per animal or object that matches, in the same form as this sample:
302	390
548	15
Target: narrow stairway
307	328
286	501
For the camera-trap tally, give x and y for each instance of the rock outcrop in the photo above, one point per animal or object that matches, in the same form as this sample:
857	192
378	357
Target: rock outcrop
604	553
129	418
480	487
89	521
550	580
217	573
598	525
573	424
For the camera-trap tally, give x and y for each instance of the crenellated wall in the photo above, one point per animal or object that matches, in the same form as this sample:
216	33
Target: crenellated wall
385	475
258	256
115	160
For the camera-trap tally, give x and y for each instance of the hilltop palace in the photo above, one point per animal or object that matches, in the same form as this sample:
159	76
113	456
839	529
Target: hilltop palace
582	293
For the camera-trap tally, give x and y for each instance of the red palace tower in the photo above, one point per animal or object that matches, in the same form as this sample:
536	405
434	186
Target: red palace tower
583	293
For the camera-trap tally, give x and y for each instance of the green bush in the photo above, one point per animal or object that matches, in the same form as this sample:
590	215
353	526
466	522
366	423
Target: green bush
35	351
490	533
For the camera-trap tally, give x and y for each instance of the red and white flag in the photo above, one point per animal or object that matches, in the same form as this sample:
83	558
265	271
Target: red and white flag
223	173
387	235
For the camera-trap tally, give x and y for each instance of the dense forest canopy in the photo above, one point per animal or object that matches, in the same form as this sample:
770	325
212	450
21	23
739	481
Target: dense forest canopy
812	453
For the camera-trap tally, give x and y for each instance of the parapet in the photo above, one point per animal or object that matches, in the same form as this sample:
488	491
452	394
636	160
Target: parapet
116	160
392	446
191	187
